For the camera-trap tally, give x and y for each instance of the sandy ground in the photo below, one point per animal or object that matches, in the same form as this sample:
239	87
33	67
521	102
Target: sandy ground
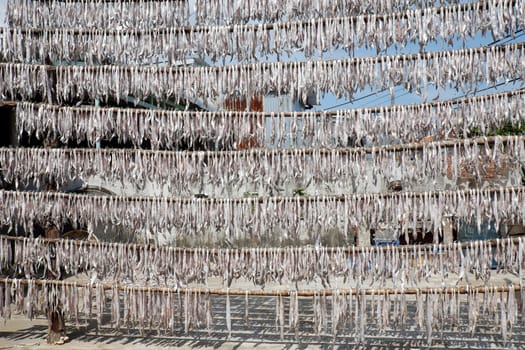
21	333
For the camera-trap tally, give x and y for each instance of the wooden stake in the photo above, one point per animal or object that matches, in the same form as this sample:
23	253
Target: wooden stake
55	318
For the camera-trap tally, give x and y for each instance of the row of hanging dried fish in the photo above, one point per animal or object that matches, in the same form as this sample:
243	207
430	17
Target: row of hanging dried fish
231	11
357	315
414	72
248	43
231	129
170	13
272	172
129	307
266	218
343	267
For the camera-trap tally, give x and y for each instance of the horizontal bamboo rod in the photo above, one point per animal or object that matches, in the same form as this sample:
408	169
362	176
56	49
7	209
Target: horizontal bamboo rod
243	153
350	250
298	199
274	293
319	114
269	65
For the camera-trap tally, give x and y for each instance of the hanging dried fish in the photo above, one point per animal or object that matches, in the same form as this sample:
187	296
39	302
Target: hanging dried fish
293	313
428	318
168	13
116	262
228	315
362	315
115	308
503	318
113	14
213	82
317	316
406	123
512	312
146	307
246	304
280	315
100	300
127	46
191	216
209	314
7	301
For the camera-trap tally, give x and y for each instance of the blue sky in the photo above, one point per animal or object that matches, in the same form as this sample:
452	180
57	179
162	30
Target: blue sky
369	98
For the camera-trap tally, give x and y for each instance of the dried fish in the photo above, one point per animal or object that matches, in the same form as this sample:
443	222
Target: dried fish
99	44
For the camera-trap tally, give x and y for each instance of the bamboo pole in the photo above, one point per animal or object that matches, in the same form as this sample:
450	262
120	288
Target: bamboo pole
301	199
269	65
253	152
350	250
273	293
236	114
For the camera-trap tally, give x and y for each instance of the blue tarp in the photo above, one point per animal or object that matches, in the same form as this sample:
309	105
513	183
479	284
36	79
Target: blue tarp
469	231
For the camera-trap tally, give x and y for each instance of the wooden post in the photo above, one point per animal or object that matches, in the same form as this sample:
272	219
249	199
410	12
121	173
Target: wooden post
55	318
448	236
363	237
55	327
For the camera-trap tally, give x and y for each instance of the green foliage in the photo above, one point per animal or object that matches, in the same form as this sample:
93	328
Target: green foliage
507	129
299	192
